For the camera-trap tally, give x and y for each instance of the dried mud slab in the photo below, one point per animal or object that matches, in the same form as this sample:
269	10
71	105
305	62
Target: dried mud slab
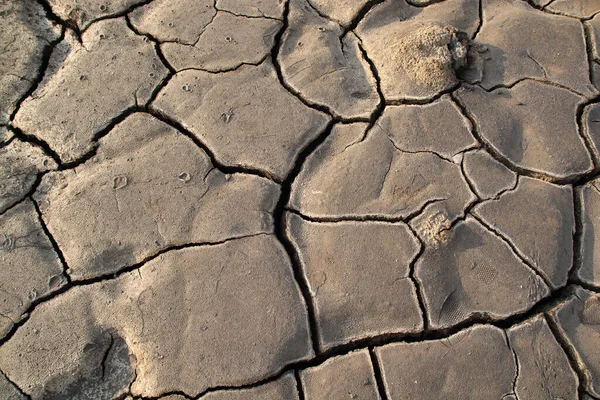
25	34
30	269
20	165
325	68
148	188
112	71
473	272
488	177
83	13
5	136
544	369
358	276
523	42
347	177
181	21
349	376
589	196
341	11
253	8
240	310
473	364
228	42
533	125
438	127
244	116
579	321
282	388
538	218
417	50
575	8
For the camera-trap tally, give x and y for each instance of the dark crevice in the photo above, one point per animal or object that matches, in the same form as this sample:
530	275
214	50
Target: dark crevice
378	112
37	80
278	40
378	375
469	182
585	285
480	25
514	353
21	392
360	15
154	40
281	234
577	234
226	169
113	275
51	15
557	297
55	245
582	131
588	47
574	361
299	387
105	357
568	180
319	12
423	5
539	273
34	140
422	102
415	282
367	217
118	14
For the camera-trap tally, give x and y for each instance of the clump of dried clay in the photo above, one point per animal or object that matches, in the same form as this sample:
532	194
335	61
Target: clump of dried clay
429	55
435	230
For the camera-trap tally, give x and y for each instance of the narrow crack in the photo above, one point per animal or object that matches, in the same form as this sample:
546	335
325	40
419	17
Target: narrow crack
50	15
577	233
37	80
536	270
278	40
574	360
481	20
378	374
113	275
299	387
582	132
118	14
263	16
226	169
568	180
360	15
105	357
380	109
418	288
21	391
34	140
423	102
368	217
514	382
55	245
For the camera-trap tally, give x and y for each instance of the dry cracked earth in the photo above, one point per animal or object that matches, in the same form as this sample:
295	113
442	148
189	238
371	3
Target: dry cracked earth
300	199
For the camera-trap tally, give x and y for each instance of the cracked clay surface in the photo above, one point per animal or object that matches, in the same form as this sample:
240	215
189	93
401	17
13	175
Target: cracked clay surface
299	199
